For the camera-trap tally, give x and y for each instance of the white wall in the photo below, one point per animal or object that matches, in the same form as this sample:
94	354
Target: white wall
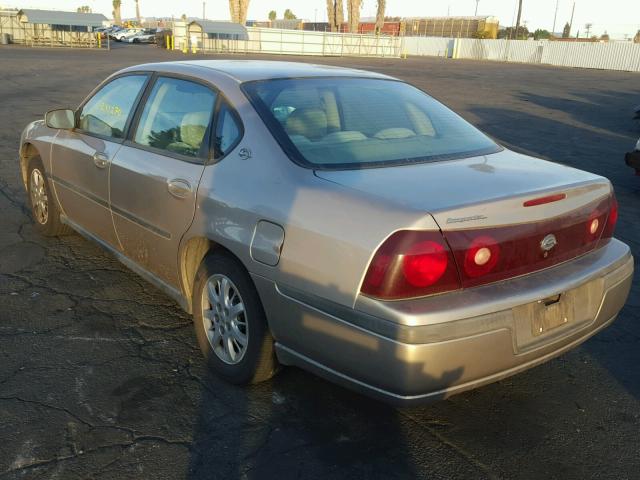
607	56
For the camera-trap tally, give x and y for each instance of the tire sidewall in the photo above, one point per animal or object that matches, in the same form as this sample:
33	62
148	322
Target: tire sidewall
245	370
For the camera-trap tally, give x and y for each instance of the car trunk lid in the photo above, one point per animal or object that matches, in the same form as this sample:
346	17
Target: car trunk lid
503	215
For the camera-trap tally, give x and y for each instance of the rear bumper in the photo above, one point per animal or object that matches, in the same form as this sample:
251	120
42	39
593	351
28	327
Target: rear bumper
396	352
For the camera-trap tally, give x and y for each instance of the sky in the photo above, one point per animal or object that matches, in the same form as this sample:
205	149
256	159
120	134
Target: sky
617	17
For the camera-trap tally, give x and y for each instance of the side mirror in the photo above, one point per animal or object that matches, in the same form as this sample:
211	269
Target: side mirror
62	118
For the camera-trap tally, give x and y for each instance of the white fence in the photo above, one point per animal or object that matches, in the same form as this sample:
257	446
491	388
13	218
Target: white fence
608	56
293	42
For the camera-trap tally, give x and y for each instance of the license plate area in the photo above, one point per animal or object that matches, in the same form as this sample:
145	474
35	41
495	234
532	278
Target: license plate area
552	317
550	313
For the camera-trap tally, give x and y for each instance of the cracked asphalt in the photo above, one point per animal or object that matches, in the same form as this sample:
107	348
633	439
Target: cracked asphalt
101	378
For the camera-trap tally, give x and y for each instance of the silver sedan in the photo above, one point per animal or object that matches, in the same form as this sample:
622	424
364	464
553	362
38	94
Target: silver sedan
334	219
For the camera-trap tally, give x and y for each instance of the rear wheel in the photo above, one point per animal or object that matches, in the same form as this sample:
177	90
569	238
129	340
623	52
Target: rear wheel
230	322
44	209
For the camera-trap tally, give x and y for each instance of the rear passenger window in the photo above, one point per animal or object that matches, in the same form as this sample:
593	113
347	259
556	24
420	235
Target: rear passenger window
176	117
228	131
106	113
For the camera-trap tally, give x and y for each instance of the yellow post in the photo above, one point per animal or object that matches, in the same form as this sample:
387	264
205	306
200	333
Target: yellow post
194	47
184	47
99	40
173	41
167	41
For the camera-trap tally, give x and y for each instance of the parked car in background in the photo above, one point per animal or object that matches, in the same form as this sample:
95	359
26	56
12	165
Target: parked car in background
632	159
334	219
148	35
123	34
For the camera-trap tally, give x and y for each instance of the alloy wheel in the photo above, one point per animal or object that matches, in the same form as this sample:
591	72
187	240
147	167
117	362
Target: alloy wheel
39	199
225	319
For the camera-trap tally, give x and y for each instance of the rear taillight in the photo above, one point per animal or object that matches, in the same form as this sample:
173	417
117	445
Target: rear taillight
612	219
411	264
414	264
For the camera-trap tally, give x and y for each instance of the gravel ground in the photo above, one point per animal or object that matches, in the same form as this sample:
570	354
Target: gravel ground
100	376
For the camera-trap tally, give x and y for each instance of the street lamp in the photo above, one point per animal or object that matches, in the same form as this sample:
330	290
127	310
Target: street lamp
477	2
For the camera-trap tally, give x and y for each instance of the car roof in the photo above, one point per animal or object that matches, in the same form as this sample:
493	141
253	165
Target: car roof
249	70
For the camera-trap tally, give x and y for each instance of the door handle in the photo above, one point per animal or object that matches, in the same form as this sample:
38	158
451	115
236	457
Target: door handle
100	160
179	188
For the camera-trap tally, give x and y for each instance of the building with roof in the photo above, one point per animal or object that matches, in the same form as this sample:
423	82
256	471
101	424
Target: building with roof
456	27
215	30
55	27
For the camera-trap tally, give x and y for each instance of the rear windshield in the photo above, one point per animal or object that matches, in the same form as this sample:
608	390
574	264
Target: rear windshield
347	123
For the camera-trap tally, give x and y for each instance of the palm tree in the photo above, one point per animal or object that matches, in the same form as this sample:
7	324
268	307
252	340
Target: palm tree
117	19
244	7
380	16
138	12
331	14
339	14
238	10
335	14
353	11
518	19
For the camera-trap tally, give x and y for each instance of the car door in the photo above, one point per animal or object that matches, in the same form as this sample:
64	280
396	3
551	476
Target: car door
155	175
81	158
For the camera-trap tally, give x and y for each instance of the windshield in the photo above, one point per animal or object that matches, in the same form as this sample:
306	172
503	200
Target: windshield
346	123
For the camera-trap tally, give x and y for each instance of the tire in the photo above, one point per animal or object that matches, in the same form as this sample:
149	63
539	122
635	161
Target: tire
256	361
44	209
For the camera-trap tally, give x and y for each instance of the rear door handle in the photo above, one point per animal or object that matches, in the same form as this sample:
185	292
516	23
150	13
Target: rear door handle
179	188
100	160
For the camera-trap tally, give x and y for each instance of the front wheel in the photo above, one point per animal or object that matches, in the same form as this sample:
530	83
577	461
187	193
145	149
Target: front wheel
43	206
230	322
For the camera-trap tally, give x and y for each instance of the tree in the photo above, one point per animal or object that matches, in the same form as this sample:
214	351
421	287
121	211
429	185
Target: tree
518	18
380	16
335	14
353	12
566	31
510	33
117	18
636	39
605	37
84	9
273	15
541	34
289	15
238	10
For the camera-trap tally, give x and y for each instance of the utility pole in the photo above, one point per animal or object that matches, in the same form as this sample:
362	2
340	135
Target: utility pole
573	10
204	4
519	17
477	2
555	16
588	28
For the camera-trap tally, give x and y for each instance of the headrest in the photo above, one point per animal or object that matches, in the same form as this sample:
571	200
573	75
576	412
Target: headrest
308	122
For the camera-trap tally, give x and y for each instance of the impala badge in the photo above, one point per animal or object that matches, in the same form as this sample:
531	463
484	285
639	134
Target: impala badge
548	243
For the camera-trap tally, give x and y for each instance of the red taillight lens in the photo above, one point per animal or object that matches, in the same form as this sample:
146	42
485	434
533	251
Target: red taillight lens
414	264
612	218
425	263
411	264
